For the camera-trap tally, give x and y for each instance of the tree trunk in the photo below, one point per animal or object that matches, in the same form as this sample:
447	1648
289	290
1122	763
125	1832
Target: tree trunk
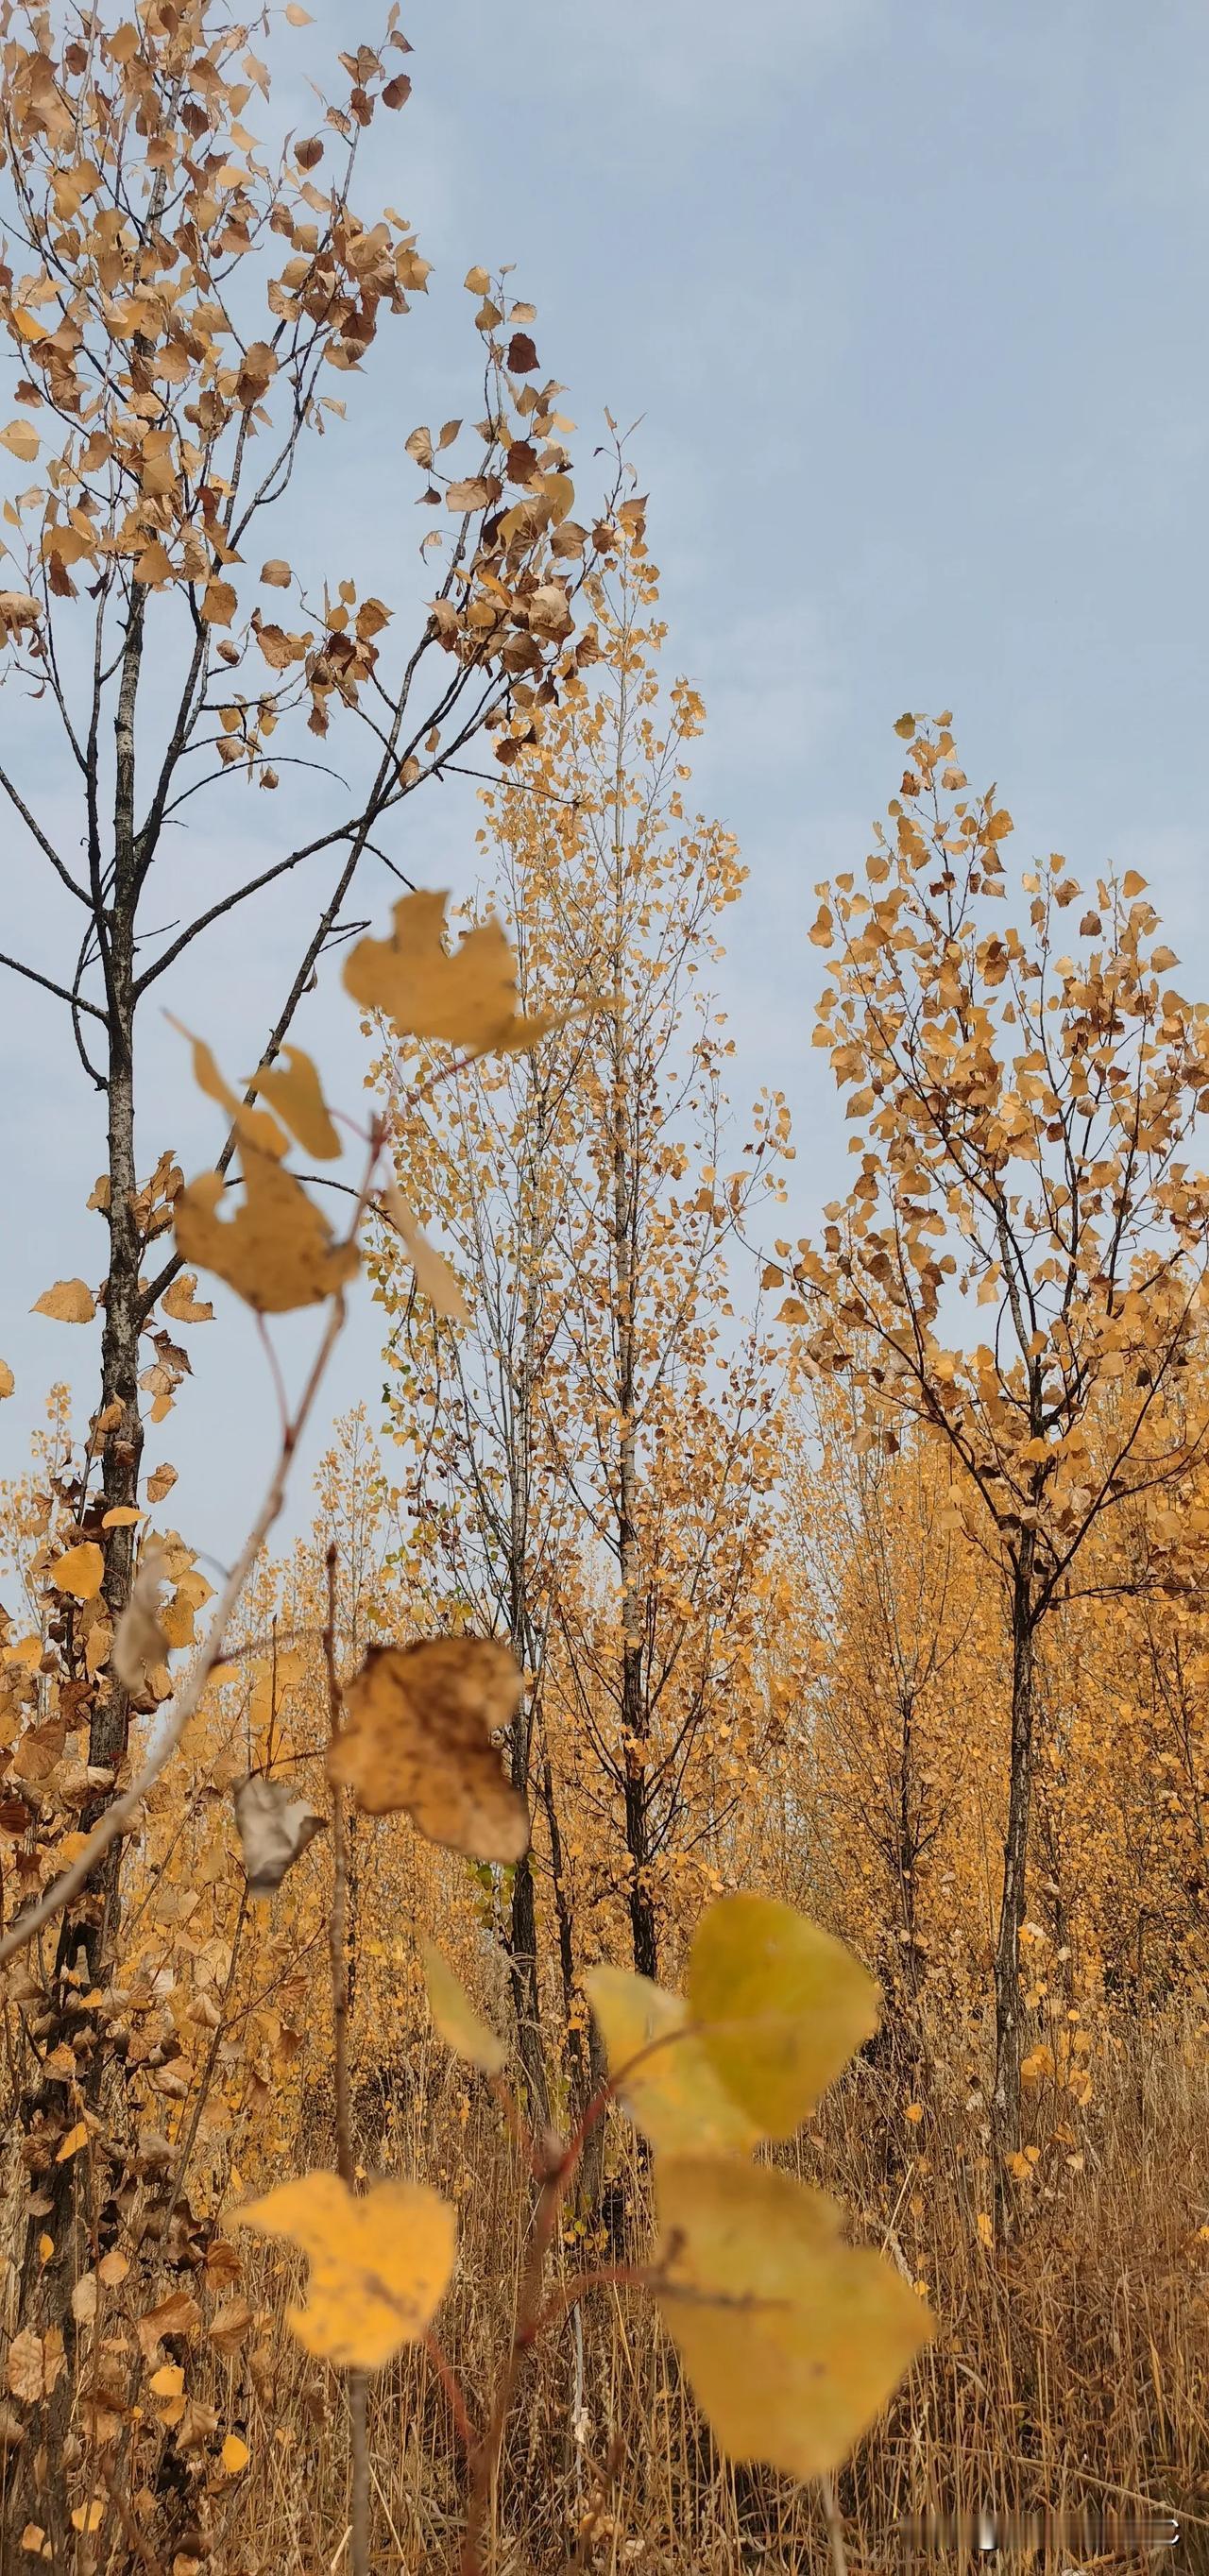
87	1933
1008	2003
526	1991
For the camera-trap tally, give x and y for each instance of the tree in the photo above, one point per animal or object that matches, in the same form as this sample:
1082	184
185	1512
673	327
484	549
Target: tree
607	1412
886	1605
174	305
1023	1121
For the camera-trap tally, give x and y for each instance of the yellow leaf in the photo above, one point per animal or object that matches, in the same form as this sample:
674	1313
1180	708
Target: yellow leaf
123	1516
68	1302
433	1274
180	1302
167	2381
81	1572
468	998
477	280
1132	884
986	2233
296	1094
379	2264
28	324
7	1380
235	2455
277	1252
792	2340
88	2517
780	2004
253	1127
460	2026
72	2143
419	1721
21	440
675	2096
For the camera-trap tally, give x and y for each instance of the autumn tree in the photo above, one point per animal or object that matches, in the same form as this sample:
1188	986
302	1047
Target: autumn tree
1024	1099
180	302
885	1602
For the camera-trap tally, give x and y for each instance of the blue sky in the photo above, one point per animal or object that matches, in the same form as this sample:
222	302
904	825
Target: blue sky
911	300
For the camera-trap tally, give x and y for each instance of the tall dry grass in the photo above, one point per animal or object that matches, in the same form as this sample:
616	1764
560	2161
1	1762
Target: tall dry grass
1070	2368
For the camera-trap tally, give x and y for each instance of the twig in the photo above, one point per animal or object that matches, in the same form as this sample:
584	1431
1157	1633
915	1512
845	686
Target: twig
123	1810
358	2380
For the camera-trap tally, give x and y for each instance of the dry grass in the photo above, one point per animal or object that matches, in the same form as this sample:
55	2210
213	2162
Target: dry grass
1070	2369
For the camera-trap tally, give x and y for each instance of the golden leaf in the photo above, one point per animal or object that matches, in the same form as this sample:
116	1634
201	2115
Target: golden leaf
792	2340
379	2264
460	2026
72	2143
81	1572
675	2096
468	998
7	1380
277	1252
418	1736
296	1094
254	1127
235	2455
781	2006
68	1302
433	1274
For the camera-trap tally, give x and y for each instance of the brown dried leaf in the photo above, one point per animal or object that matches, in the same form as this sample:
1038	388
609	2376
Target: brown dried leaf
35	2362
419	1721
275	1826
181	1302
230	2326
139	1644
177	2315
68	1302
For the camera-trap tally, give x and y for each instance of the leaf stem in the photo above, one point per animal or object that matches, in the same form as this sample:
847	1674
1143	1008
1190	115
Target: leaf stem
358	2380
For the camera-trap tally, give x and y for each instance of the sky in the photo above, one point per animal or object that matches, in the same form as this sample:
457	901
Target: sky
908	304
